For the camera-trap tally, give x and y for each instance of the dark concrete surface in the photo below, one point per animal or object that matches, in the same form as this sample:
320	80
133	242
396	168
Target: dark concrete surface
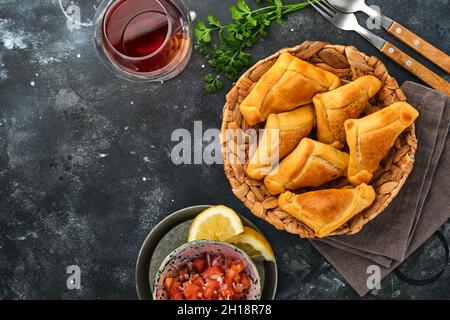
76	143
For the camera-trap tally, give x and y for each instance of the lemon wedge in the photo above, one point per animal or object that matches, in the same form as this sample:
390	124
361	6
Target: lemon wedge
254	244
218	223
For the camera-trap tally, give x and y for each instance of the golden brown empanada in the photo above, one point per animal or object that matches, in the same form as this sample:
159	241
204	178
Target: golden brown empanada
288	84
291	127
370	138
334	107
325	211
311	164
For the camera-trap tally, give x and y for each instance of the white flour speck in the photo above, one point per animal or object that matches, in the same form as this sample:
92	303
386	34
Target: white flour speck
152	147
32	83
133	152
132	102
144	179
102	155
146	159
126	128
203	66
46	60
78	56
292	29
32	234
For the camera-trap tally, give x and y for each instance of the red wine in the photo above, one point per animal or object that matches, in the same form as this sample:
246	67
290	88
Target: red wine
146	34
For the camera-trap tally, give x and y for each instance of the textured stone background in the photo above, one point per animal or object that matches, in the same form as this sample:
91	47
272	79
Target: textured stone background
76	143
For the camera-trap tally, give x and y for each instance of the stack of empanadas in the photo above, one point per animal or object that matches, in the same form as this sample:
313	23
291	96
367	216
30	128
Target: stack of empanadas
283	97
311	164
334	107
282	134
288	84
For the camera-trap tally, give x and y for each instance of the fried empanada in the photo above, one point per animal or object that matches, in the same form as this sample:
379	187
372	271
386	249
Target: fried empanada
334	107
311	164
325	211
370	138
288	84
290	127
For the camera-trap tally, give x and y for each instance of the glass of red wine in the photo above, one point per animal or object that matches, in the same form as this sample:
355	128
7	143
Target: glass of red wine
144	40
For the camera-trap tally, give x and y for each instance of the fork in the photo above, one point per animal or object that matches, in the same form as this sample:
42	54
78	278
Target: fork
348	22
423	47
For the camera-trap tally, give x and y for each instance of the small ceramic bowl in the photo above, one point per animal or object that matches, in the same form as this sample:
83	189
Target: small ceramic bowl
194	249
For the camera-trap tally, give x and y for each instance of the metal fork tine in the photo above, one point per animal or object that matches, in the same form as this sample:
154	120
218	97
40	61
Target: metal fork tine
323	13
333	9
325	8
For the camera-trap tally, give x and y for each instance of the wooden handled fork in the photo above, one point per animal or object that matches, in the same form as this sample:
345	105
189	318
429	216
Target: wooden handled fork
348	22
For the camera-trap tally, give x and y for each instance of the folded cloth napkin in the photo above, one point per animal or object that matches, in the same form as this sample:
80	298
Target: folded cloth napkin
414	94
419	209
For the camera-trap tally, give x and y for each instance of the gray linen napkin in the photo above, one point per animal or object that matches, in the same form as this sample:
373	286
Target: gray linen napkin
426	213
378	259
387	237
414	94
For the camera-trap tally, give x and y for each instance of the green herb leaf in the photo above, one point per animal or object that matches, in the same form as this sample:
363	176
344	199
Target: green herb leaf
279	10
212	83
202	33
236	14
243	6
226	56
213	22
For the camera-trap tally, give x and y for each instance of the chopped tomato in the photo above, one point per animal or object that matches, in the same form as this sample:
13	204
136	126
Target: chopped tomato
176	296
238	266
225	279
199	264
208	293
213	284
168	282
212	272
173	289
191	290
245	281
197	279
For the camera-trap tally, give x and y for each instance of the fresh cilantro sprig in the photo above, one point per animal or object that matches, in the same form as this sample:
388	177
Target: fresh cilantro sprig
224	45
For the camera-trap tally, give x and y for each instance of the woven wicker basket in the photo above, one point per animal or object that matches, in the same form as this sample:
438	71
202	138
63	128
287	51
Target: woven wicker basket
347	63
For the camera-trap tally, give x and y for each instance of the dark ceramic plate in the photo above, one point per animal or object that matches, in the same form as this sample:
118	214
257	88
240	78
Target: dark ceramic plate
171	233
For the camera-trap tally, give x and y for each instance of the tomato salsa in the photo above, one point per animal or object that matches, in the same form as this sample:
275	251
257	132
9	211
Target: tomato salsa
209	278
